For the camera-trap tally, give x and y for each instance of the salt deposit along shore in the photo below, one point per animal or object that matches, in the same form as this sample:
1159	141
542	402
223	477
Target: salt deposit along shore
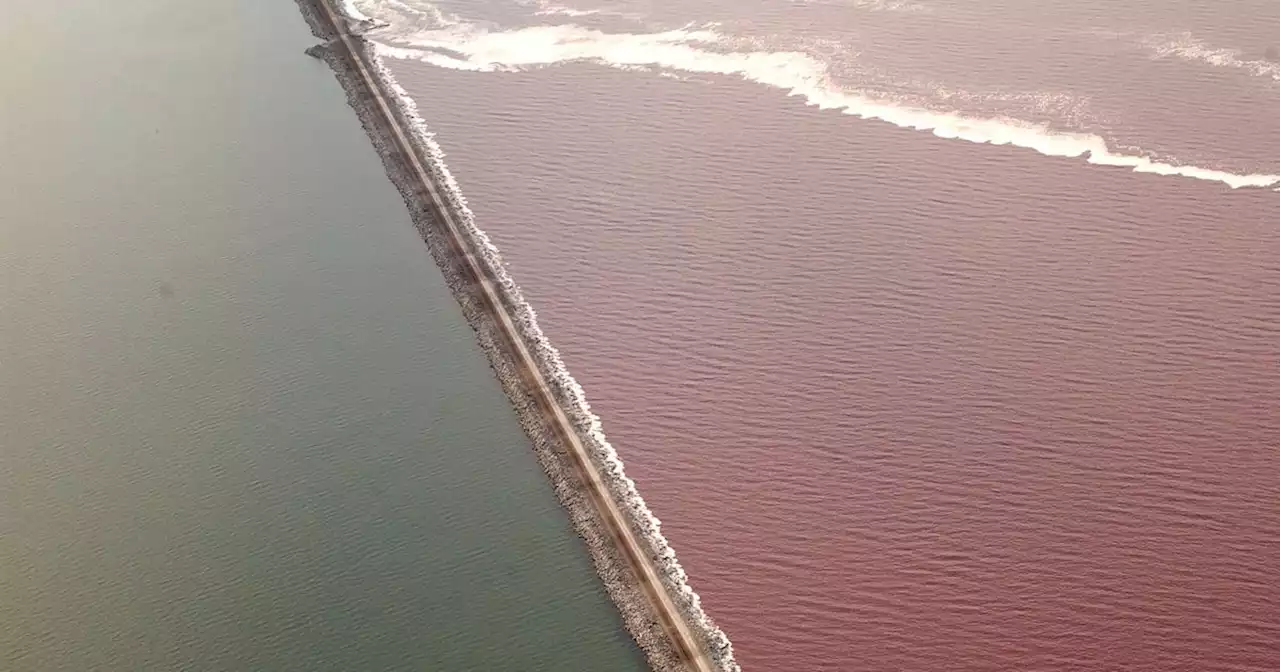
633	559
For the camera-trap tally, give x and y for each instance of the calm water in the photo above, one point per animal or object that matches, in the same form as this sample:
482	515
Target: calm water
904	399
242	423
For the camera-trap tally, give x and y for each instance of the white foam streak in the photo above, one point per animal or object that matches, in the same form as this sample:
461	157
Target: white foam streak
349	8
872	5
552	9
549	8
469	47
1187	48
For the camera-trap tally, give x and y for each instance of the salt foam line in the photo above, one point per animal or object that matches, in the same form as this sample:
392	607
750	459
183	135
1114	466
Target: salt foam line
1188	48
646	525
472	47
348	8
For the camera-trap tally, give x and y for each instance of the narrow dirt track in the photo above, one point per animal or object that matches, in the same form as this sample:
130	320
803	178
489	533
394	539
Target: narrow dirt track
664	611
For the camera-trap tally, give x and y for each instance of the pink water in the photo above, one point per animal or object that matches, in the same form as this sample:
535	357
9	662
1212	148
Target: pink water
905	402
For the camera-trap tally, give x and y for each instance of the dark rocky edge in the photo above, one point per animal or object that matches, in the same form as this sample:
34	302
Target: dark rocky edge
619	581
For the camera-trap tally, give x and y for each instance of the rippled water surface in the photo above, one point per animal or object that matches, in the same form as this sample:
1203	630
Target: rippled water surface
965	356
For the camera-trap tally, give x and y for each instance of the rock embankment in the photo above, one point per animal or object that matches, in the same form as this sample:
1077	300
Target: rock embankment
620	582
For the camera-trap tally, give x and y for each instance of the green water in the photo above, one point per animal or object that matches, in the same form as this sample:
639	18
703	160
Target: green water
242	423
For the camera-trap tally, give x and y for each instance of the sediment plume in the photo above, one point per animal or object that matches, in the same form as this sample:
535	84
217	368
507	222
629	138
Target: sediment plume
619	581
